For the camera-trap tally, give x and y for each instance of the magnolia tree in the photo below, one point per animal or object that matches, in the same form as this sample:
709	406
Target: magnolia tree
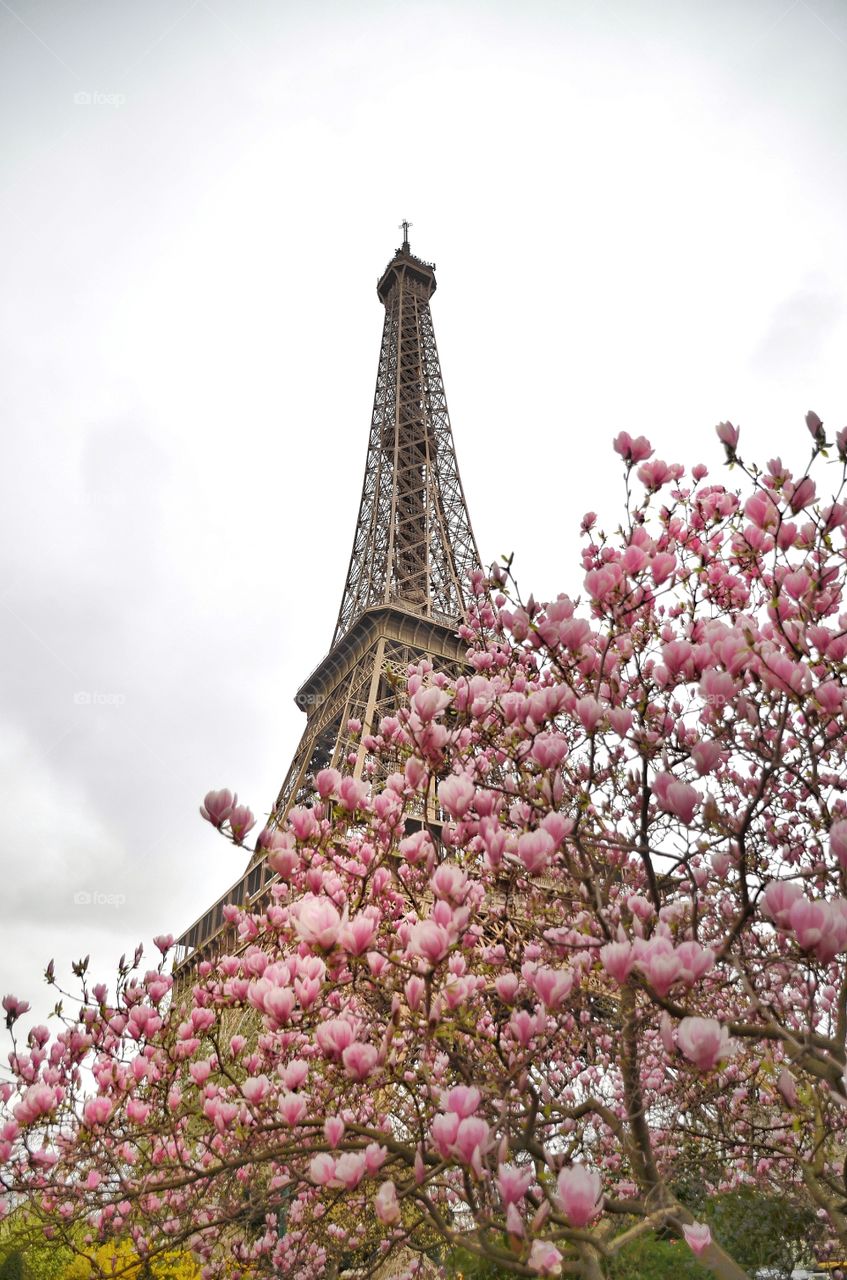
618	954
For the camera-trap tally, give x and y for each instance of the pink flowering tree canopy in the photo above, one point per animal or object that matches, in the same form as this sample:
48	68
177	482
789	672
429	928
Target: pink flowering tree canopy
610	947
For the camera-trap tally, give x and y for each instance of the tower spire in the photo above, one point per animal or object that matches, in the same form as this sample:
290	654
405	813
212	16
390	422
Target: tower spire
404	595
414	545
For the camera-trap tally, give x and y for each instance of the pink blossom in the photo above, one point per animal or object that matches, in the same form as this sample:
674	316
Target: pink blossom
553	986
386	1204
728	435
809	922
535	849
429	941
455	794
705	755
662	566
429	702
137	1111
800	495
217	807
14	1008
472	1141
241	820
39	1100
778	899
589	712
353	793
256	1088
358	934
544	1258
334	1035
786	1086
317	921
97	1111
334	1128
838	841
322	1169
327	782
698	1237
678	798
632	451
450	881
617	959
549	750
292	1108
514	1182
579	1194
359	1060
703	1041
462	1100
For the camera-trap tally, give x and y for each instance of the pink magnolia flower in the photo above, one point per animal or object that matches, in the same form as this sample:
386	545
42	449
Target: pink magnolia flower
292	1108
39	1100
678	798
705	755
334	1129
97	1111
513	1182
589	712
359	1060
428	940
728	435
322	1169
472	1141
535	849
217	806
579	1194
462	1100
429	702
838	841
698	1237
14	1008
386	1204
786	1086
455	794
241	820
327	782
358	934
703	1041
632	451
317	921
617	958
544	1258
256	1088
353	793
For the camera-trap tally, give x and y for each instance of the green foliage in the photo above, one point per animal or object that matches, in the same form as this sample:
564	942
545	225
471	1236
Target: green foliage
461	1265
762	1231
650	1258
12	1266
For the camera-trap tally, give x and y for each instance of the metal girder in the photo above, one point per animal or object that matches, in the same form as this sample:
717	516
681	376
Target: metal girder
405	591
413	543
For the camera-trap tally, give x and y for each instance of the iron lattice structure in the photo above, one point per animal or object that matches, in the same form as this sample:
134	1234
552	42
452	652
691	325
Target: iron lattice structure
404	596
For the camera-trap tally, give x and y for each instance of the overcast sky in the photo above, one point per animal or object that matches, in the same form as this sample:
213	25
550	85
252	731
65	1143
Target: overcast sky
637	213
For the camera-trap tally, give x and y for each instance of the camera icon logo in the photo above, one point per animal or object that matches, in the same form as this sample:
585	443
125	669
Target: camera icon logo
82	898
82	99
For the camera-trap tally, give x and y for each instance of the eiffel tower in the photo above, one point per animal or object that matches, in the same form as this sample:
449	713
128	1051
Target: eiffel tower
404	596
